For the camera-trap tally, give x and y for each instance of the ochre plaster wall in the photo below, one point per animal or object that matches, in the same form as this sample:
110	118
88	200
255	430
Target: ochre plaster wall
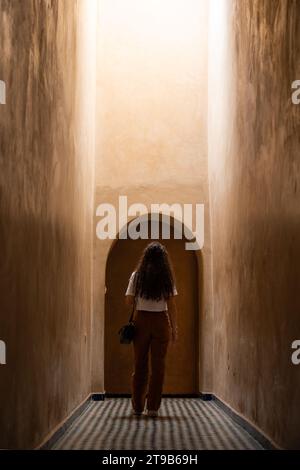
152	131
47	174
254	171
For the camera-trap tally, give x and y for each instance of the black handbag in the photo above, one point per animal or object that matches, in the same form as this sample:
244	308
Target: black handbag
127	331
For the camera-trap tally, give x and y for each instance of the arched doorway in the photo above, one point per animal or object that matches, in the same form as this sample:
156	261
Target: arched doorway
182	360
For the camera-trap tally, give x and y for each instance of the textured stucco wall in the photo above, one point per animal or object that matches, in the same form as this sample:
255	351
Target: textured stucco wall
47	174
152	129
254	166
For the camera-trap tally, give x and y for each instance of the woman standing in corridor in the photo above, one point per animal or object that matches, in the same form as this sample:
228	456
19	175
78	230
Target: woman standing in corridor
152	288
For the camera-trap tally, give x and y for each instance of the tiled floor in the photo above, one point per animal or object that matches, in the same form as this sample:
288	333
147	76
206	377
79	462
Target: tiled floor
184	423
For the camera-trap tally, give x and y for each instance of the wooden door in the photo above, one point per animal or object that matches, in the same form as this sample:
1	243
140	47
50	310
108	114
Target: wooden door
182	359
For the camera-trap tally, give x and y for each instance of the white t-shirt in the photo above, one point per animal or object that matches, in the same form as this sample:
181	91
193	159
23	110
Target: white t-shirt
147	304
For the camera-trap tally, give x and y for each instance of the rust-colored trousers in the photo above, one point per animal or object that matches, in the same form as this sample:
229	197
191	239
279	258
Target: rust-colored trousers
152	336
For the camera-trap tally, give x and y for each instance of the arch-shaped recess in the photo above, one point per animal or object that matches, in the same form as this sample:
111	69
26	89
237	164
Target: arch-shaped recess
182	360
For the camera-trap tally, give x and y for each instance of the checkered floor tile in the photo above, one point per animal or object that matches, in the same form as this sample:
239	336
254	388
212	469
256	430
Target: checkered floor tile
183	423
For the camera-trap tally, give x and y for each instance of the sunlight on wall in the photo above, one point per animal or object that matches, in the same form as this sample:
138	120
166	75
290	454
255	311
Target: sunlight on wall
152	90
155	20
221	79
86	86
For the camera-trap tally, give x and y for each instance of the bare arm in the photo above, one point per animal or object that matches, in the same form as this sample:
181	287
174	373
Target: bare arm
129	300
172	311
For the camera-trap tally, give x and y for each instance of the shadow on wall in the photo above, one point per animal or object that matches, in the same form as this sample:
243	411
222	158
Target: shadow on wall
45	221
256	254
44	339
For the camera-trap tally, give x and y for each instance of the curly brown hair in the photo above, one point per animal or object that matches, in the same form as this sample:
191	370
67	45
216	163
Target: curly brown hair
154	278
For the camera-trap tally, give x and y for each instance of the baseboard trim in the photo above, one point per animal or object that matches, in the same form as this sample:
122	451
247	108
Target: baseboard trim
49	442
206	396
98	396
164	395
257	434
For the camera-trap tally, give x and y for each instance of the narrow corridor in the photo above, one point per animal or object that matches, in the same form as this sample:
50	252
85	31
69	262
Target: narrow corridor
183	424
186	112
